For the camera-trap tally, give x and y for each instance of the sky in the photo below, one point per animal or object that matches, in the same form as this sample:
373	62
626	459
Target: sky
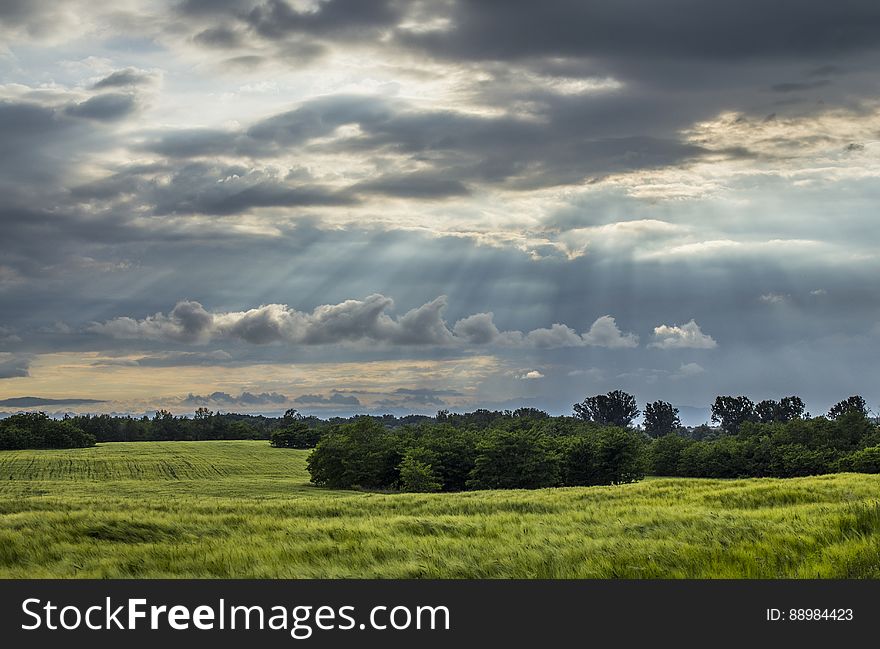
401	206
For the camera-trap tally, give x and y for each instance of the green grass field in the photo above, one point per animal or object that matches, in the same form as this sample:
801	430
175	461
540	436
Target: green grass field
243	509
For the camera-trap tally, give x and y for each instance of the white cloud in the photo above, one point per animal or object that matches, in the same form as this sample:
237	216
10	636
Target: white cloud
559	335
773	298
478	329
605	333
593	373
686	336
352	321
690	369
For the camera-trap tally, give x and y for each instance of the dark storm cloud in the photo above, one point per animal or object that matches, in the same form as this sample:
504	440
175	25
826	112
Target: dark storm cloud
580	138
277	18
509	30
126	78
110	106
416	397
202	188
798	87
414	185
192	143
37	18
18	11
220	201
220	37
515	29
320	117
31	139
208	8
14	365
678	62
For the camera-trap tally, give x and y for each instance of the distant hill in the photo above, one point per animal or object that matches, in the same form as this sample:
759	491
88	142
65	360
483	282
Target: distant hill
691	416
33	402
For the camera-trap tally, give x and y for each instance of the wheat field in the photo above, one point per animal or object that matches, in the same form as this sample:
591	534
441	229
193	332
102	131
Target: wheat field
241	509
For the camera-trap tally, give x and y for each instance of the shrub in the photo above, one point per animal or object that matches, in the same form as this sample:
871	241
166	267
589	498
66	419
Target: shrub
866	460
665	454
416	475
360	454
514	460
296	435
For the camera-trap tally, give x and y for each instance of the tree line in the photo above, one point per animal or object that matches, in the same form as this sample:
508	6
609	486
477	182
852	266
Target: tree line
772	439
599	444
520	453
37	430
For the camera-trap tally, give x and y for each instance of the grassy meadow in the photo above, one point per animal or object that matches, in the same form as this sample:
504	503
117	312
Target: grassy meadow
238	509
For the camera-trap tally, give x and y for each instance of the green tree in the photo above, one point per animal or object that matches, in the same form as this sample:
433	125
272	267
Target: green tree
665	454
296	435
732	412
661	418
786	409
617	408
854	403
362	453
417	475
514	460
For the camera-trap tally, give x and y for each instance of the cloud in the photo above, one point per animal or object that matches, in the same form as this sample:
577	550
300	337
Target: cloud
170	359
558	335
8	336
334	399
594	373
426	392
408	397
529	375
244	399
14	365
351	321
278	19
188	321
106	107
686	336
690	369
773	298
414	185
800	86
126	78
605	333
478	329
544	168
688	29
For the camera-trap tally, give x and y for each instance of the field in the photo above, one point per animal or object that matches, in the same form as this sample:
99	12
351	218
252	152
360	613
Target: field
243	509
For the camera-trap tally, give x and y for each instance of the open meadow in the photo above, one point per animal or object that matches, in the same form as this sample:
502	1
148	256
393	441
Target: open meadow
236	509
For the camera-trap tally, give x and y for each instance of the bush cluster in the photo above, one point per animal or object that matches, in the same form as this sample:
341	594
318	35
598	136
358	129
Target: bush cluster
519	453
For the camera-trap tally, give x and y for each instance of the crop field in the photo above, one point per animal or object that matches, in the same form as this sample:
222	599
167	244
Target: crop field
244	509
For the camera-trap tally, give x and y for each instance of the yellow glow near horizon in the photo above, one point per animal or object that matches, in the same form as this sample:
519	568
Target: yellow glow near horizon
124	385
